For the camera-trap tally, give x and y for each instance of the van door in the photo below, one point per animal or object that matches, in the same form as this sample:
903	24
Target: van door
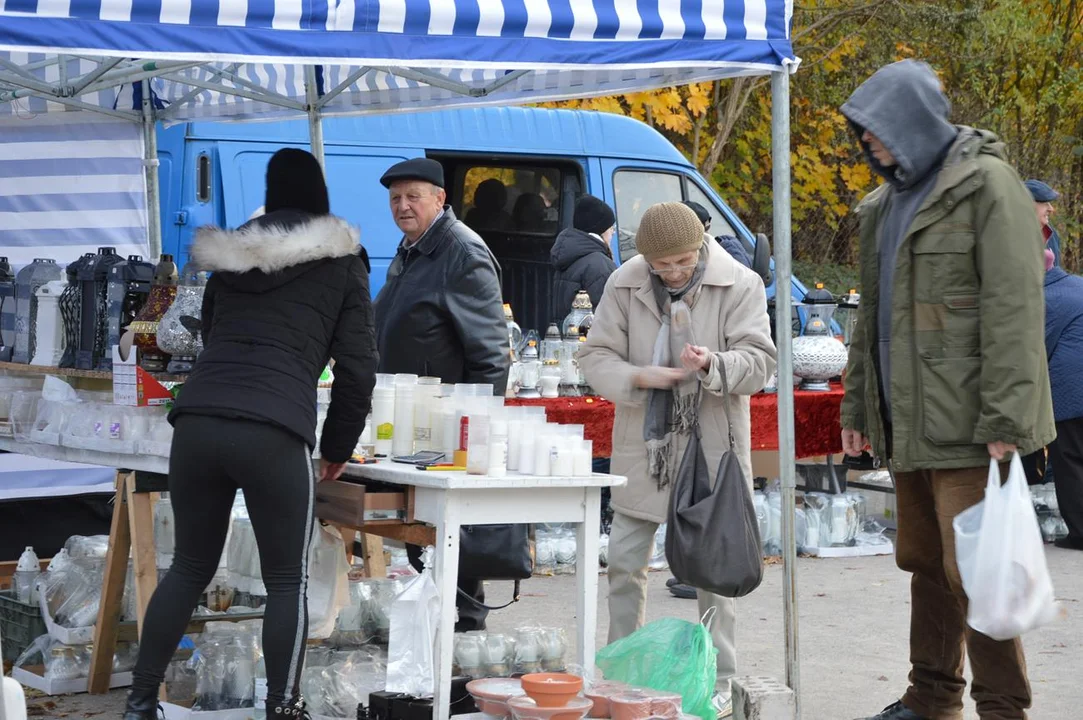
353	183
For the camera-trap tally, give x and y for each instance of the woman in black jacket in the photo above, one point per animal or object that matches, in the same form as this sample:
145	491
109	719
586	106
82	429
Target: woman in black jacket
289	292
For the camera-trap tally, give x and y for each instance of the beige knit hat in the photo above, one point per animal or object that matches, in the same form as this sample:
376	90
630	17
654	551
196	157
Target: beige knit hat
668	228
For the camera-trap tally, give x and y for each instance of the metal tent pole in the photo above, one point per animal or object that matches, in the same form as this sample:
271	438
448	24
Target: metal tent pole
315	125
780	153
150	165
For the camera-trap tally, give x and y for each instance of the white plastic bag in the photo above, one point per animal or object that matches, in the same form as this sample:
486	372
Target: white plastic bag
328	581
998	546
415	616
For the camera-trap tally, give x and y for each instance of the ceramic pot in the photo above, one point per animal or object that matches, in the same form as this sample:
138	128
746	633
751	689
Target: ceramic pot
552	689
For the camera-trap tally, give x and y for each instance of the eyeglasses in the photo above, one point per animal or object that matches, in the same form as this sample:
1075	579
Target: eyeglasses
672	270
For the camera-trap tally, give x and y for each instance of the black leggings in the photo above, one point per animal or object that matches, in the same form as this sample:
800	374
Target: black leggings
211	458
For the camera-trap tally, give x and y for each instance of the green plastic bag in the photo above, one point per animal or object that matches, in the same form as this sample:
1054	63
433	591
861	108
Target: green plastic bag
668	654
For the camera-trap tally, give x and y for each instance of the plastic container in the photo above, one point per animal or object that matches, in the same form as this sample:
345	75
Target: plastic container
498	448
477	448
383	414
20	624
583	459
425	393
403	441
491	695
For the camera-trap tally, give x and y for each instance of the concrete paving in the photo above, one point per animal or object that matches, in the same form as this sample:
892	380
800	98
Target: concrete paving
854	624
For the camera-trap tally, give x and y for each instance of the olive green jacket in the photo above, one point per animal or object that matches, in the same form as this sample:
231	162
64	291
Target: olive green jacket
968	363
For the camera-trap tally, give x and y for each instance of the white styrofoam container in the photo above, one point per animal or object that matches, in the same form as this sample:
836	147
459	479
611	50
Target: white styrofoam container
34	677
179	712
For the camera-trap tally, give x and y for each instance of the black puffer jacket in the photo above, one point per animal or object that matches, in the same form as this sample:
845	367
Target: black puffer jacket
440	313
289	291
582	262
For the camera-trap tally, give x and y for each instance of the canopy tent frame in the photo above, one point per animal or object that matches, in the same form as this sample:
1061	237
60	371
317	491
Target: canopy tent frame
113	71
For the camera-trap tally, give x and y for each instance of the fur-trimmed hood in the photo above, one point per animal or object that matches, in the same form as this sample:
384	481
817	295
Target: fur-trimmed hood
274	242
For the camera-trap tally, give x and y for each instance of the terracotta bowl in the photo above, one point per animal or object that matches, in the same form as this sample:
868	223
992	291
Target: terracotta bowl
643	704
552	690
491	695
525	708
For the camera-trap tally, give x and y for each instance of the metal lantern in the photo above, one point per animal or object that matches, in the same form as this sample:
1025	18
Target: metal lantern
71	309
178	330
93	279
127	291
7	310
48	330
818	355
145	326
29	279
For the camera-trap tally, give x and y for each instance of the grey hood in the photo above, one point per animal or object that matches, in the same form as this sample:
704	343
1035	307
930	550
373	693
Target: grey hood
903	105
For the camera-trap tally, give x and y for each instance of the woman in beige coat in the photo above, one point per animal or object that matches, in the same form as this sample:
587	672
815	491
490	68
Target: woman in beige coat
716	336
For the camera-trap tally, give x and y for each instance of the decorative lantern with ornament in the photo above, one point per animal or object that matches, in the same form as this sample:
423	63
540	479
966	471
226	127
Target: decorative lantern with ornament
179	329
145	326
818	355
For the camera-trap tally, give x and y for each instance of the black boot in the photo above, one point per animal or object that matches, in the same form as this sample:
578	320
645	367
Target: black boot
142	706
286	711
897	711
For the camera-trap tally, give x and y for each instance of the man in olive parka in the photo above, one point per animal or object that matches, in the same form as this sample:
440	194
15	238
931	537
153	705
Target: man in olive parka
947	365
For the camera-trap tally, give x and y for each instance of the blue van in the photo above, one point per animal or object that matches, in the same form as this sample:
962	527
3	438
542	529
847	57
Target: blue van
213	173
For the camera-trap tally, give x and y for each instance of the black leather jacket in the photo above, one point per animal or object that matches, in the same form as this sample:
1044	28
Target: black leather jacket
440	313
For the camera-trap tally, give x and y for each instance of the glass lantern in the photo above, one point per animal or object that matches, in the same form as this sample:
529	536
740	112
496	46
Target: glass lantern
515	333
581	309
179	329
847	314
530	372
552	347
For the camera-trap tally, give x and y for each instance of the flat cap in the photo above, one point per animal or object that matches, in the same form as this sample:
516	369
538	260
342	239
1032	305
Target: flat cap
415	169
1041	192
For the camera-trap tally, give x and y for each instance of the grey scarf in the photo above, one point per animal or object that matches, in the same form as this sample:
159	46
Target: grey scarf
673	411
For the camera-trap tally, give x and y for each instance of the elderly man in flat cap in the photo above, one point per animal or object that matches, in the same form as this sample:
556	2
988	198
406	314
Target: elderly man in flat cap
1044	197
440	313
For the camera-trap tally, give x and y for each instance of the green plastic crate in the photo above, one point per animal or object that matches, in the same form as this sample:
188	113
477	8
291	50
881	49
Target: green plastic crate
20	625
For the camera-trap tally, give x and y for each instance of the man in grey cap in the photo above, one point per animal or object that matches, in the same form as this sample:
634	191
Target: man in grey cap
1044	197
440	313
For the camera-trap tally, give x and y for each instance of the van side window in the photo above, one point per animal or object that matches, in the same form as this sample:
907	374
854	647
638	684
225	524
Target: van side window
512	199
635	191
719	225
203	178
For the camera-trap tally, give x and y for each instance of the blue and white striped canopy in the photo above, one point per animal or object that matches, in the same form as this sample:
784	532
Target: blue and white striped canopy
245	58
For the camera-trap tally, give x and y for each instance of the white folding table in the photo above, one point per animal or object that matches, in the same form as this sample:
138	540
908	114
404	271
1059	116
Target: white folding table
449	500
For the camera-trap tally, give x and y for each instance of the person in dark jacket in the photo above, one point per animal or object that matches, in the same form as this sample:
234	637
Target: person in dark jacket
581	255
1064	348
1044	197
289	293
441	313
729	243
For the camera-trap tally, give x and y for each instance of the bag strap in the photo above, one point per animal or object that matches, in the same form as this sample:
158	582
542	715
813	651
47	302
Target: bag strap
726	402
515	596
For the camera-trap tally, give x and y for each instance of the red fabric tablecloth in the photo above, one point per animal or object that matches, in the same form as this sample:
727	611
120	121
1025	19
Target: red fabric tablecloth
816	421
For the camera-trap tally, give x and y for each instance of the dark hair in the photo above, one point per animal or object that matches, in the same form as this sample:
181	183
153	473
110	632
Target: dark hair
295	182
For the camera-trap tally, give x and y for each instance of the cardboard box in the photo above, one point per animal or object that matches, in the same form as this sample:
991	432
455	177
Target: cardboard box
33	676
132	385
